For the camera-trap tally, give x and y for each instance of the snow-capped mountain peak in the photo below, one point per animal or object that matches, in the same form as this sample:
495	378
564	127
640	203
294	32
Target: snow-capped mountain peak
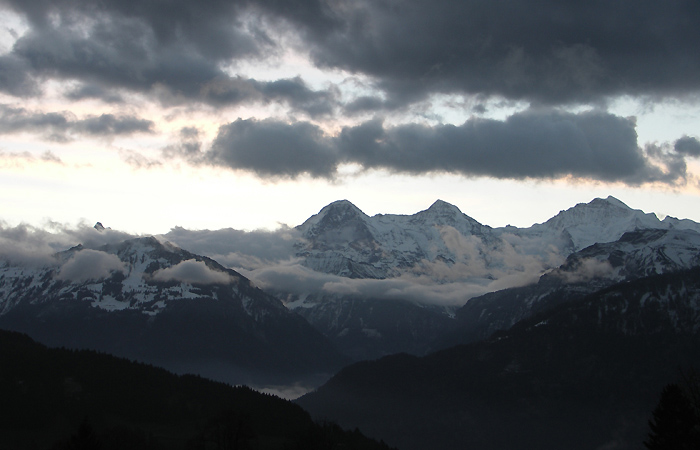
335	214
442	213
601	220
141	274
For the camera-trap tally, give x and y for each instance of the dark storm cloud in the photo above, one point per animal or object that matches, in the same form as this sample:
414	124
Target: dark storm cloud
535	144
174	51
548	51
60	125
274	148
544	51
298	95
293	92
86	91
688	145
365	104
15	77
109	124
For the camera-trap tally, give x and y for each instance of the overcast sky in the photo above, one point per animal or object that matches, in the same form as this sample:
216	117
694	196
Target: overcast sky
146	115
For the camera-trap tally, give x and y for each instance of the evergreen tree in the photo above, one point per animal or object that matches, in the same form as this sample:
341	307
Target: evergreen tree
674	423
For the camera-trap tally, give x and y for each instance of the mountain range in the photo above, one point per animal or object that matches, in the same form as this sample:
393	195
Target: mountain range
372	286
391	283
582	375
151	301
467	325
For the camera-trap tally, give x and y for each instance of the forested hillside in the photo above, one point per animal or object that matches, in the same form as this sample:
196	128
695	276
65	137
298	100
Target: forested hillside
60	399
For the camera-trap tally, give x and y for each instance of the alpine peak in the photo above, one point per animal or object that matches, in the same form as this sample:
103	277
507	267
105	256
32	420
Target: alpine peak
441	206
338	212
341	205
610	200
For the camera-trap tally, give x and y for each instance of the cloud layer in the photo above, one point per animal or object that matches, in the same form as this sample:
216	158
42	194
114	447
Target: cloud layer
550	55
549	51
59	126
27	244
89	264
534	144
193	272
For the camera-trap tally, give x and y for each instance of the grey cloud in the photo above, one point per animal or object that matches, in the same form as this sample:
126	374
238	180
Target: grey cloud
541	144
60	125
88	90
15	77
586	270
193	272
292	91
137	160
535	144
47	156
669	167
293	279
299	96
89	264
174	52
274	148
365	104
549	52
188	147
119	53
109	124
267	246
24	244
27	243
688	145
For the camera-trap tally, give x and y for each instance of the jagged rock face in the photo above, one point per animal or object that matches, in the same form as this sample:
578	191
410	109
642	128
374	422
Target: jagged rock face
158	303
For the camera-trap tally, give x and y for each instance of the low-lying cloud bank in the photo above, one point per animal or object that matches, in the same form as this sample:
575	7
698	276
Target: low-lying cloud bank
193	272
37	246
90	264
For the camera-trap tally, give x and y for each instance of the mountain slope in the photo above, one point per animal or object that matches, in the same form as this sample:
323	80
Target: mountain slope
601	220
343	240
347	266
47	394
635	255
581	376
157	303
